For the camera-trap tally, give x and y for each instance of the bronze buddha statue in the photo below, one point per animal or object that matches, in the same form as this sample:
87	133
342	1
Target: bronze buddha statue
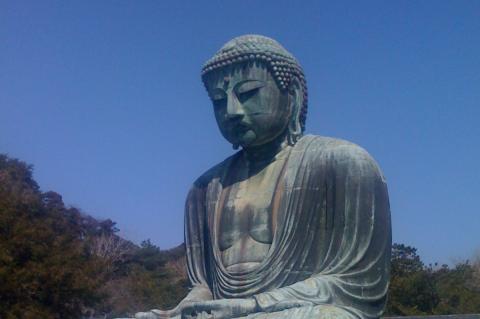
290	226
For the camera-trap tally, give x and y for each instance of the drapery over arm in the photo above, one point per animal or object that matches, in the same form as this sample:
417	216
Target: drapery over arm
201	201
347	240
195	244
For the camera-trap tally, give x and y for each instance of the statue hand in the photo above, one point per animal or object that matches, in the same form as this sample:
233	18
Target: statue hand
219	309
287	304
197	294
155	314
174	313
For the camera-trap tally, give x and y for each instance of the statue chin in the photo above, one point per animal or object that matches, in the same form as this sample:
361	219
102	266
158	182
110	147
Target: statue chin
246	139
249	138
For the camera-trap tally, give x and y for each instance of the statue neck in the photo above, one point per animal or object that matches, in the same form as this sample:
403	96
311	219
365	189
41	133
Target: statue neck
267	151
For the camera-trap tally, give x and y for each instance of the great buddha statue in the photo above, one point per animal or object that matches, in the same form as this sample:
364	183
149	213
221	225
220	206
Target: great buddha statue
291	226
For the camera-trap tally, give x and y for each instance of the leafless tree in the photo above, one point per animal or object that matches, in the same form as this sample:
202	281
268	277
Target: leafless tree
111	248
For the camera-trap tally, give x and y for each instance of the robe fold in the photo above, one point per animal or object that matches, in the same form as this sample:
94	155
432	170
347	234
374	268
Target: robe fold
332	236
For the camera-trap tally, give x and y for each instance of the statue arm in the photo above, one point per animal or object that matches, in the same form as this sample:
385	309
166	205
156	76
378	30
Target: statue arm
353	275
195	245
195	252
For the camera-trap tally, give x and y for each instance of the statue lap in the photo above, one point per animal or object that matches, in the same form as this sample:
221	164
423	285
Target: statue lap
307	312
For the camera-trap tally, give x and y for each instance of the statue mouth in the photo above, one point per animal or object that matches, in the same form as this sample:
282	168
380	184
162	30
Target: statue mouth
241	133
239	128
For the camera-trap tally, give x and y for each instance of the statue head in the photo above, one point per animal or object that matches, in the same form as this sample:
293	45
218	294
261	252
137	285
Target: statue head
258	90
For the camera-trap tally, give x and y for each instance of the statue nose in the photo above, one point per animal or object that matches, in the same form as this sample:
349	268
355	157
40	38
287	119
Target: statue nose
234	108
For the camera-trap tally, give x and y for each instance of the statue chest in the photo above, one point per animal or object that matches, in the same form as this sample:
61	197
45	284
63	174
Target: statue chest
246	213
245	229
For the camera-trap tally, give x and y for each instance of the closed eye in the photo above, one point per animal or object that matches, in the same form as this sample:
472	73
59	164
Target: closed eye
248	89
242	97
249	85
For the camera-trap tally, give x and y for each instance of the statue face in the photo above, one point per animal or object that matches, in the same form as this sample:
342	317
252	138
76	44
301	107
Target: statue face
249	107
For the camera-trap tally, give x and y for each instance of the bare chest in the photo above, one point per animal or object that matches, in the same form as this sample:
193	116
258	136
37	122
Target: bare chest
245	230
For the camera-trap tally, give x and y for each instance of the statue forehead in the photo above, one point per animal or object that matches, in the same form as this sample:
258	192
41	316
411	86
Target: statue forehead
239	72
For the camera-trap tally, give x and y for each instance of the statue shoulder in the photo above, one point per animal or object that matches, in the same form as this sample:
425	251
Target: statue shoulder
214	172
340	154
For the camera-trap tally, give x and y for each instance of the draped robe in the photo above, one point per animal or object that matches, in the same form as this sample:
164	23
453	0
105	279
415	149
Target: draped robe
332	239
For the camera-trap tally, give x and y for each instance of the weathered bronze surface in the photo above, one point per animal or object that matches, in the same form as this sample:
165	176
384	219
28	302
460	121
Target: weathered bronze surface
290	226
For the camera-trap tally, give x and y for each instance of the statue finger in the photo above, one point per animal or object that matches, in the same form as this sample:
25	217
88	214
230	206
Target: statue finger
206	306
187	316
216	314
163	314
208	315
159	312
145	315
188	313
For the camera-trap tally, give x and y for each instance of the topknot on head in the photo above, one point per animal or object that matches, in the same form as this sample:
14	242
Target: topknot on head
253	42
282	64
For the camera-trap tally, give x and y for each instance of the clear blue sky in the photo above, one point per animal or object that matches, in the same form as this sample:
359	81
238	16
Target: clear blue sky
104	98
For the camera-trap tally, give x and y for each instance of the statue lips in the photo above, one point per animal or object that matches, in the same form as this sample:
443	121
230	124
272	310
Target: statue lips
240	127
236	125
242	132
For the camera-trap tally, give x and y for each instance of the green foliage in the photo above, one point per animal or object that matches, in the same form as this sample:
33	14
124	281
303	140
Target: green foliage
411	291
454	297
419	290
44	270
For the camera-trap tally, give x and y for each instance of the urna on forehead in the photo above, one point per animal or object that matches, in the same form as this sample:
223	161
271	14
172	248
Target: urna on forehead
281	63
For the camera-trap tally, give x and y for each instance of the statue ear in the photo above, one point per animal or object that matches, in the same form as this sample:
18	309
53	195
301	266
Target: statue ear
295	93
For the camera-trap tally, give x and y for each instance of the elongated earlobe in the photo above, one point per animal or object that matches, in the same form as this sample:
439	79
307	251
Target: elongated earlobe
296	102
